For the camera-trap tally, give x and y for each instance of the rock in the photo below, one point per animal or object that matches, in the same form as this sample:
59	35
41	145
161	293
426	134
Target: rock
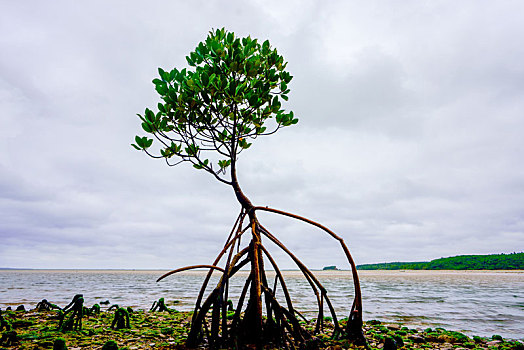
417	339
398	340
110	345
59	344
393	327
20	308
390	344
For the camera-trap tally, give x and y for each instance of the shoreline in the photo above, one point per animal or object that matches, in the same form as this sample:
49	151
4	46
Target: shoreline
472	302
167	330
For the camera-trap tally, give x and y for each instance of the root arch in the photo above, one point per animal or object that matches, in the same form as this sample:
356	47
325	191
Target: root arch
281	326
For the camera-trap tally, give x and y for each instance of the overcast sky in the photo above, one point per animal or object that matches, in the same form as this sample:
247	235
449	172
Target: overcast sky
410	142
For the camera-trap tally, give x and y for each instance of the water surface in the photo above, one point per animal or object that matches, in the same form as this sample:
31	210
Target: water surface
476	302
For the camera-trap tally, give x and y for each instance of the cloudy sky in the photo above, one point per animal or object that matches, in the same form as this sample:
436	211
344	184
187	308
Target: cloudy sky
409	144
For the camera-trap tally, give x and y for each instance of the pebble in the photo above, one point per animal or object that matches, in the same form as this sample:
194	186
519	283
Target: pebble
493	342
393	327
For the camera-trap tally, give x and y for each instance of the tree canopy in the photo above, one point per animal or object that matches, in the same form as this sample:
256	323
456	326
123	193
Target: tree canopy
213	110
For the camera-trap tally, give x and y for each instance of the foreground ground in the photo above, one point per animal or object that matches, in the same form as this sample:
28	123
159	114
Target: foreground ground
164	330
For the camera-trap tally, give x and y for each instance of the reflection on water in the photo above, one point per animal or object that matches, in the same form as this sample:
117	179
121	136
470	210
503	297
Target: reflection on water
477	302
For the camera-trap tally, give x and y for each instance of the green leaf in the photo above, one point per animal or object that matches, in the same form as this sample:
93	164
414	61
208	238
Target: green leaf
150	116
205	79
147	127
136	147
163	74
265	47
161	88
139	141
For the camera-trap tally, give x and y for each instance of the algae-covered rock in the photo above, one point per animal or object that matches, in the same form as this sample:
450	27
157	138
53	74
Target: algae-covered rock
398	340
417	339
374	322
59	344
9	338
160	305
110	345
390	344
4	324
44	305
76	308
121	319
95	309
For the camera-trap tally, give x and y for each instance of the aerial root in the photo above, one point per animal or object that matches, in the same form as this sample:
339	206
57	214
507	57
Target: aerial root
215	321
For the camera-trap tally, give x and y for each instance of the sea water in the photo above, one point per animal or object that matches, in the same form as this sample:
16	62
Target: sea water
475	302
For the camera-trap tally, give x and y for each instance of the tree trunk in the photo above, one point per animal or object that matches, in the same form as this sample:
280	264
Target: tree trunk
253	322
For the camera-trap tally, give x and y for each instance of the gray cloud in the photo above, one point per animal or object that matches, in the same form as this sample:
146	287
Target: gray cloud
408	144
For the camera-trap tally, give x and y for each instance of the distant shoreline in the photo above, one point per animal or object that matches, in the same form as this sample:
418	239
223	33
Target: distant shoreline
492	262
289	270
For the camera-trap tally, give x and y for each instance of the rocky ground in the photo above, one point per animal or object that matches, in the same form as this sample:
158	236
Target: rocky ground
167	330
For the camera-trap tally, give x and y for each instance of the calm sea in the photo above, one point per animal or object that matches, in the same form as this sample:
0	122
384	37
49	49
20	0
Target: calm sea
475	302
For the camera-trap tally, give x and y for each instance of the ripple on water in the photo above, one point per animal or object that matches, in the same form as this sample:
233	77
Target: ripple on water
482	303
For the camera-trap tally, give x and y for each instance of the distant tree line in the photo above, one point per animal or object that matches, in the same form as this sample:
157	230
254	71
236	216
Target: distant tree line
512	261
